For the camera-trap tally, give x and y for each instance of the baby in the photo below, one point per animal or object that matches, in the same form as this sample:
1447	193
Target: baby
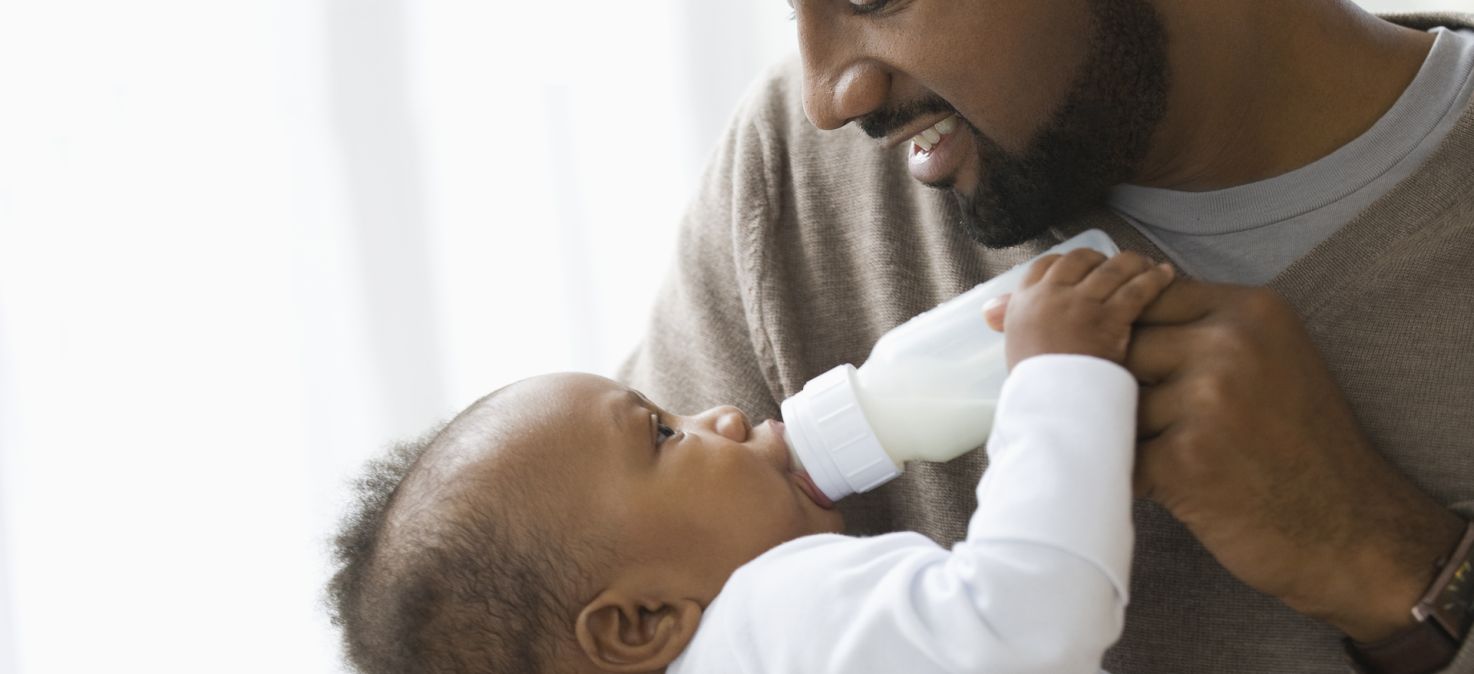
566	523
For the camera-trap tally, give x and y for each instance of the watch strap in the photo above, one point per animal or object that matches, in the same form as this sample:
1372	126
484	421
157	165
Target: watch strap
1443	618
1421	649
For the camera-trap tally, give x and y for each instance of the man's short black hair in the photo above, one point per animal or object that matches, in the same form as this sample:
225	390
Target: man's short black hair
468	587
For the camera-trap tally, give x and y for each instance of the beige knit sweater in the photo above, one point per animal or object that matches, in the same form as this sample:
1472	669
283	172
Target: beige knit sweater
803	247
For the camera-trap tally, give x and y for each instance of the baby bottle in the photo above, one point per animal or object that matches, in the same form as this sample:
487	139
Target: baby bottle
927	392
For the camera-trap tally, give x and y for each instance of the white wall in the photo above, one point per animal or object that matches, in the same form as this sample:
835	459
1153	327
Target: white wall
244	245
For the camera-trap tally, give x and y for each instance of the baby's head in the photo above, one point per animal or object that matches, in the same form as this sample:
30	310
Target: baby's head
563	523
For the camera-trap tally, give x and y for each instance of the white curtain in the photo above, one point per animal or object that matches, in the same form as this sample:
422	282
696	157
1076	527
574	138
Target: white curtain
246	244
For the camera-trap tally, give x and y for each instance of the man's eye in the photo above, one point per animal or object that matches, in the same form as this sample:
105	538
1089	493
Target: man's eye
864	7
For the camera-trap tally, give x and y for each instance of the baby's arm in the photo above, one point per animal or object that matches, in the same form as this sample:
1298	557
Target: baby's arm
1057	493
1040	583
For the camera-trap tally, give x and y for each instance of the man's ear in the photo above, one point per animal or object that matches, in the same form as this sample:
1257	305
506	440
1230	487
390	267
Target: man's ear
623	633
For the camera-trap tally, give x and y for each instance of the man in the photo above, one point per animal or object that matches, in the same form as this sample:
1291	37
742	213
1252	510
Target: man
1307	449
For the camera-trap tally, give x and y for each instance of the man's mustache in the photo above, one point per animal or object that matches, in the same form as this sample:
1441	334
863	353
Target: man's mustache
884	122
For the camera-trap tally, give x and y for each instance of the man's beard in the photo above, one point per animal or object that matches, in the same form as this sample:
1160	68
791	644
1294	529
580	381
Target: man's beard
1096	139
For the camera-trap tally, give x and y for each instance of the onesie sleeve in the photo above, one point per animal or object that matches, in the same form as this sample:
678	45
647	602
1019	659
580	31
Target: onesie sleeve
1038	586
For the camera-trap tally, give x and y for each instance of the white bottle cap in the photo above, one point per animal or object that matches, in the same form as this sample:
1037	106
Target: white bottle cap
829	433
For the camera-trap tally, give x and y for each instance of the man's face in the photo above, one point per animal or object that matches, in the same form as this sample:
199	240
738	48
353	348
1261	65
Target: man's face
1040	105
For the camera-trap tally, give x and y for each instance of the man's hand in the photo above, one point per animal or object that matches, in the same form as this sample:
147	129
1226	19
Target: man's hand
1245	438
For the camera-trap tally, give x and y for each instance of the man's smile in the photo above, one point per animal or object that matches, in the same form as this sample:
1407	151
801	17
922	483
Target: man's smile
938	152
933	135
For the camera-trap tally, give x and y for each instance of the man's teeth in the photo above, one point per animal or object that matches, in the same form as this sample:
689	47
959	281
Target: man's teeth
928	139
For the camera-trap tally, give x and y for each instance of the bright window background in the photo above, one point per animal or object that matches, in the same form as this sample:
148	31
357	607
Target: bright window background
244	245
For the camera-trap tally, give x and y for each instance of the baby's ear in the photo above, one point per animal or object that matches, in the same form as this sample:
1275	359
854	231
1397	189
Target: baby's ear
621	633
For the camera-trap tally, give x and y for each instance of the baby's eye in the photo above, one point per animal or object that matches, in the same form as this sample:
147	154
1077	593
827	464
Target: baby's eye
663	432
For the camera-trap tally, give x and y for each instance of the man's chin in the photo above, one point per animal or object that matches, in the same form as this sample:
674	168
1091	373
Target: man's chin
994	226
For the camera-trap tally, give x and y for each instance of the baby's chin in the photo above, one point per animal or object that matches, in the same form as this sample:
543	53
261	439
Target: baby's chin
815	523
830	522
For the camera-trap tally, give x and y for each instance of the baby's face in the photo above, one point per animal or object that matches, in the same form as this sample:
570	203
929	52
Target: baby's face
693	495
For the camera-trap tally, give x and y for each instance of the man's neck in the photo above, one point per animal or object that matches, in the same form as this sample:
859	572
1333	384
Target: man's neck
1263	87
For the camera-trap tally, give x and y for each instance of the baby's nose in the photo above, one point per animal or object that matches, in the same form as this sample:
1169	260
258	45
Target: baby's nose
730	422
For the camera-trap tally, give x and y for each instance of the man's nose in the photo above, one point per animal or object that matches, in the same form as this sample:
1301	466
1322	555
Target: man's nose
839	85
727	421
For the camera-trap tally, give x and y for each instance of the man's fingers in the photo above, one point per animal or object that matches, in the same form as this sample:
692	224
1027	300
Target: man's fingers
1150	475
1160	407
1185	301
1156	353
1132	297
1141	486
1158	471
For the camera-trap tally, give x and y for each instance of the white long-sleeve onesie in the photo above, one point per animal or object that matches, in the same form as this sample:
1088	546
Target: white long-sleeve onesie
1039	585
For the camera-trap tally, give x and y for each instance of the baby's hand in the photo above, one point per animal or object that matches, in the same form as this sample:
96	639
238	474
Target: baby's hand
1078	303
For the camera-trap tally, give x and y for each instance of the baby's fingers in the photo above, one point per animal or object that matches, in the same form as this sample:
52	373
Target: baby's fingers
995	310
1106	279
1074	265
1132	298
1037	270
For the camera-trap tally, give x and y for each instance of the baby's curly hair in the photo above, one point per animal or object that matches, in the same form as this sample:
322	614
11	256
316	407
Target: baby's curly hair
465	587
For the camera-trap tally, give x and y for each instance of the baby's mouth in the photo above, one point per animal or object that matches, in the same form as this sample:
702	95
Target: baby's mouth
812	490
802	479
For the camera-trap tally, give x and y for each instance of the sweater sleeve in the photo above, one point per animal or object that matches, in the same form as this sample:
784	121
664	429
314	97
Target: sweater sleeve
1039	585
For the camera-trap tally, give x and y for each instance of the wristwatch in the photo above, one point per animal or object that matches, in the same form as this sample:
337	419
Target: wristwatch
1444	615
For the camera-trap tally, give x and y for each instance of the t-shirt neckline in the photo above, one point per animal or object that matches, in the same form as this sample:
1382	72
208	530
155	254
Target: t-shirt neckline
1443	77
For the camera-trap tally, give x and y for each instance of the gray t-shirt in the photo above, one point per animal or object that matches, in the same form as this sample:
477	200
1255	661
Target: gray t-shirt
1250	233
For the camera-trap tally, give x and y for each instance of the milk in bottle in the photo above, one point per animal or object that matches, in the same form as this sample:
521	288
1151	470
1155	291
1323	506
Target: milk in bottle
927	392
